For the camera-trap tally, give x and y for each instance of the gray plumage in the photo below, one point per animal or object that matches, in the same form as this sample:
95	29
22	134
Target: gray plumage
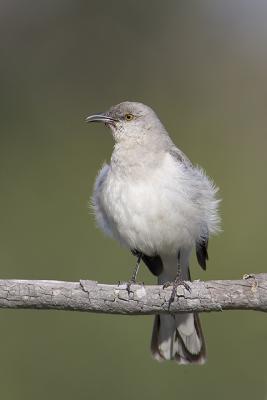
155	202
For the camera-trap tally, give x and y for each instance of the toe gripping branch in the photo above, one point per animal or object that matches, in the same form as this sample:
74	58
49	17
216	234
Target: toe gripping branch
135	271
177	282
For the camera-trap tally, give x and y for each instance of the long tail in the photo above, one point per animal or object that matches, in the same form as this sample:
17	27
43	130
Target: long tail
177	337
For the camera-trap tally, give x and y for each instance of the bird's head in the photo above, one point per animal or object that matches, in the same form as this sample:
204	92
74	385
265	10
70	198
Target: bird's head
129	120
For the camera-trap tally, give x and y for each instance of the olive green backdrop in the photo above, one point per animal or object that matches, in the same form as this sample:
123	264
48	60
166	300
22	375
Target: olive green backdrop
202	66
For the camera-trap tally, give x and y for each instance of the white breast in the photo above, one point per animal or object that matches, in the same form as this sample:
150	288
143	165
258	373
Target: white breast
167	209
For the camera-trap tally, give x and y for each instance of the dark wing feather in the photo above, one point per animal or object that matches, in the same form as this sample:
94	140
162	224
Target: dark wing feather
202	252
154	263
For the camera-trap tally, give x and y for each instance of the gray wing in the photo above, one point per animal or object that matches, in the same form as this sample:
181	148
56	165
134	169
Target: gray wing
201	245
179	156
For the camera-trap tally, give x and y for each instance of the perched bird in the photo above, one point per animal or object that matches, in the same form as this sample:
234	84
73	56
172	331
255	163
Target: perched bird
156	203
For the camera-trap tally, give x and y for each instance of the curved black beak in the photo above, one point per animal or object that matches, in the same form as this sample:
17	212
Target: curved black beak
101	117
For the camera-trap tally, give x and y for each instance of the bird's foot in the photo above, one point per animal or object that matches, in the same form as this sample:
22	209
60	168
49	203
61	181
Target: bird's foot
178	282
129	284
132	282
167	284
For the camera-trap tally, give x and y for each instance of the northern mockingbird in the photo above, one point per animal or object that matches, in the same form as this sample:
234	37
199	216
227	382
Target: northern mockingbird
156	203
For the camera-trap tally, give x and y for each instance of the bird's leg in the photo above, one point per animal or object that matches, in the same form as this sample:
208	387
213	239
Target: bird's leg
178	281
135	271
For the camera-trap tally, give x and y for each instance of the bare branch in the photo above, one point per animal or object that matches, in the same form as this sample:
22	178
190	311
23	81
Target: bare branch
250	293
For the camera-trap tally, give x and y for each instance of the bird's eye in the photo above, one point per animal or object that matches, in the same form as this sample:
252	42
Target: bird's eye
128	117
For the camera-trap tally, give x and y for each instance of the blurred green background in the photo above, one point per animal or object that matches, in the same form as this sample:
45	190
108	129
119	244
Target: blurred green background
202	66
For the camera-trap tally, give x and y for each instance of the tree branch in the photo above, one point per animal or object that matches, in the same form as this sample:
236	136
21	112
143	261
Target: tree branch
250	293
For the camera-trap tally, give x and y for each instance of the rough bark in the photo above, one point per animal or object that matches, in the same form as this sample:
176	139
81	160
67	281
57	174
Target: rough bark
249	293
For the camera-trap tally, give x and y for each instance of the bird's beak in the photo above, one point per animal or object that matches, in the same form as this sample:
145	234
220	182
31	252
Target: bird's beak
101	117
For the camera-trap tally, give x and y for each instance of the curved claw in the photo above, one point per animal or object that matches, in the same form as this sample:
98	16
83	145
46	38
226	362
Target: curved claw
176	283
129	284
167	284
